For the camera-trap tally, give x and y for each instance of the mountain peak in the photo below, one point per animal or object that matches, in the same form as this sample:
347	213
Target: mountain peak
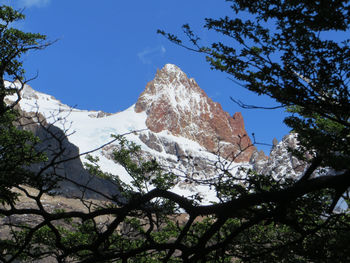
172	86
171	68
172	77
175	103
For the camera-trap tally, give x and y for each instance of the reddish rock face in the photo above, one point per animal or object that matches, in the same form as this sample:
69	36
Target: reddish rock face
176	103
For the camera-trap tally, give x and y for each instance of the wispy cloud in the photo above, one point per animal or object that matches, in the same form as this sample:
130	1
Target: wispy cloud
148	54
34	3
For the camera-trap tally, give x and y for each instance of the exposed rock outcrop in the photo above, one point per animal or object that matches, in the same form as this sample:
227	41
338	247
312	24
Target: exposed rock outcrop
175	103
281	163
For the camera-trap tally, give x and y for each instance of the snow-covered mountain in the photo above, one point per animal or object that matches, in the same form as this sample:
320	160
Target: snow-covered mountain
173	121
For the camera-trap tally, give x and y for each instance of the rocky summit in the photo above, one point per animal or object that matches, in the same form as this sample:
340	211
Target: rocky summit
176	103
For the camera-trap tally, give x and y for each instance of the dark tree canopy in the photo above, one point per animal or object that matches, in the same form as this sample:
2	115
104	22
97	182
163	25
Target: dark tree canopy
14	44
16	145
281	49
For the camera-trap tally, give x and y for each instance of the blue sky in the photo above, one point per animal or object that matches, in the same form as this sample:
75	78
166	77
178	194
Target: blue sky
108	50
